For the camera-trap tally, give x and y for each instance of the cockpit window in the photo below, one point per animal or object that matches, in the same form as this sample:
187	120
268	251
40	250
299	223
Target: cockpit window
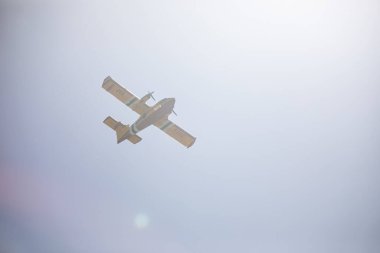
156	107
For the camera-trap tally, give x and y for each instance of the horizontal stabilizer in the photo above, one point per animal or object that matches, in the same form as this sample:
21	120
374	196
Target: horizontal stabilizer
122	132
134	138
109	121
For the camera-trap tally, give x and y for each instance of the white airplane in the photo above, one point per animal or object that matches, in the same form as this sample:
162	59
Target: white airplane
149	115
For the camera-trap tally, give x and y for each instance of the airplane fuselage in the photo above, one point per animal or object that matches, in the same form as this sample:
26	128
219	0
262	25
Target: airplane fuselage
160	110
156	115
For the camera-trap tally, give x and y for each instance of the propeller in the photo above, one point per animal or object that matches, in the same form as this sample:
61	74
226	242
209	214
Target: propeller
150	93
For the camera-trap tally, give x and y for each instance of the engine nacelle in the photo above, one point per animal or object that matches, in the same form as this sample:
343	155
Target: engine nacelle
147	97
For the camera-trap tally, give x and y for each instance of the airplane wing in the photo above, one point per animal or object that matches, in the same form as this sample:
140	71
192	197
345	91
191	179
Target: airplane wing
125	96
176	132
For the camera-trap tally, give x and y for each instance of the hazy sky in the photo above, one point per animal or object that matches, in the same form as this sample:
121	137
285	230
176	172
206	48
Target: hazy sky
282	95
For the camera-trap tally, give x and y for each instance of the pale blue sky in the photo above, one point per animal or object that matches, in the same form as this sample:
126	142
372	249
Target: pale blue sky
282	95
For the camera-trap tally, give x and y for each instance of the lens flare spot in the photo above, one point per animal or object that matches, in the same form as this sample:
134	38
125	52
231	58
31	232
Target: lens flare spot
141	221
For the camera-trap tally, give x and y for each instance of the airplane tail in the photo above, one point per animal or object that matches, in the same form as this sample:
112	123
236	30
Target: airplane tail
121	131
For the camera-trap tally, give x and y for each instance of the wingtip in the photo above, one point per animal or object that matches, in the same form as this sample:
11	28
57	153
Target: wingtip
108	78
191	144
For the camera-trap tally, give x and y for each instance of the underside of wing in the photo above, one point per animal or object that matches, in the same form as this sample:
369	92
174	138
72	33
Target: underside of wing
125	96
176	132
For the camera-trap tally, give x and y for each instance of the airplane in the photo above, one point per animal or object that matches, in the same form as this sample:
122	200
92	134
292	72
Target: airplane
156	115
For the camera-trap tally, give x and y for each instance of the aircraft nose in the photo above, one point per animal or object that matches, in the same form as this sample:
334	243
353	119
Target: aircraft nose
170	102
